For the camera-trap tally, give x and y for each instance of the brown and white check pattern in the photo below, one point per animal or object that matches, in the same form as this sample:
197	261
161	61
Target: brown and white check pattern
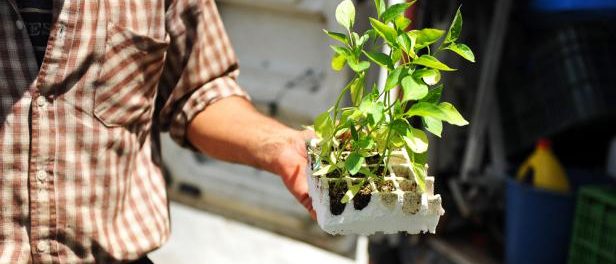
79	177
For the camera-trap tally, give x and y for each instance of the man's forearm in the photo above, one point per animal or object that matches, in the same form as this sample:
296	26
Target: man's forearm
233	130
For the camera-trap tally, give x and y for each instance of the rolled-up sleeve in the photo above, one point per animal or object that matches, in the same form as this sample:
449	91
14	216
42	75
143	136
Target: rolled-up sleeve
200	69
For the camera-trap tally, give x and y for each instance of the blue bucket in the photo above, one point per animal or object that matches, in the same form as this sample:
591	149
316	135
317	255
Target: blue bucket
538	224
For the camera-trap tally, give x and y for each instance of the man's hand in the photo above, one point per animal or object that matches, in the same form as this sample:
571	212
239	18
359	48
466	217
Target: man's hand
232	130
285	155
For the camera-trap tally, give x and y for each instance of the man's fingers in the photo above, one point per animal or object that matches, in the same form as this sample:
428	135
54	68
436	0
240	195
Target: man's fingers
307	203
308	134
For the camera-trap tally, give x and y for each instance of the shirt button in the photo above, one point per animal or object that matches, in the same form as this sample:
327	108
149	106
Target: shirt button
41	176
42	246
41	101
19	24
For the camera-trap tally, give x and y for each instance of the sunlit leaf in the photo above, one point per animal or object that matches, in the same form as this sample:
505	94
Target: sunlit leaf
416	140
336	36
394	10
432	62
324	170
393	79
342	51
429	76
413	89
324	125
358	66
420	171
406	43
380	7
454	30
434	95
462	50
373	110
433	125
453	116
338	62
345	14
443	111
387	32
379	58
365	143
354	162
426	36
351	192
402	23
357	90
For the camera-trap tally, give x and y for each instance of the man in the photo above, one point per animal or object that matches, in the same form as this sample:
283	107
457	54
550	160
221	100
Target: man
86	87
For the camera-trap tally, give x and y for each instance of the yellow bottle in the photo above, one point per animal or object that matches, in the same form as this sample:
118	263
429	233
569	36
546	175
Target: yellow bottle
548	172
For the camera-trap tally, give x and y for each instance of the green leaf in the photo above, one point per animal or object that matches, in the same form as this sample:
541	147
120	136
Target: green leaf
380	7
338	62
413	89
401	126
357	90
432	62
363	39
426	36
393	11
355	37
454	30
453	116
324	170
462	50
420	171
419	158
373	110
367	172
358	66
346	116
342	51
425	109
393	79
354	134
337	36
324	125
433	125
365	143
406	43
353	163
351	192
442	111
387	32
434	95
429	76
402	23
345	14
416	140
396	55
379	58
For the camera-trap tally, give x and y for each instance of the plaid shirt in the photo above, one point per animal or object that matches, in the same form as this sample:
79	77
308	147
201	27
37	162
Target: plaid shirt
80	179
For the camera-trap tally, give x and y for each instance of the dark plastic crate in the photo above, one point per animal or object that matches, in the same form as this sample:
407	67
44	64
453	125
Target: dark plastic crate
594	230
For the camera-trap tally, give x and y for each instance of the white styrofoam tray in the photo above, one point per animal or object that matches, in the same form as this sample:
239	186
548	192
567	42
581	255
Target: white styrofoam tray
411	210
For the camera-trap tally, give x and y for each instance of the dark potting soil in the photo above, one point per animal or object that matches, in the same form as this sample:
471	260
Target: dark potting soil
336	192
362	198
333	174
372	160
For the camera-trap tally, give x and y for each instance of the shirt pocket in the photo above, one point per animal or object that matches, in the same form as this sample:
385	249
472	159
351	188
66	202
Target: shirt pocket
130	71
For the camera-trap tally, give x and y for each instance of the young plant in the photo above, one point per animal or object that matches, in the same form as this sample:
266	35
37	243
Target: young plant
356	141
